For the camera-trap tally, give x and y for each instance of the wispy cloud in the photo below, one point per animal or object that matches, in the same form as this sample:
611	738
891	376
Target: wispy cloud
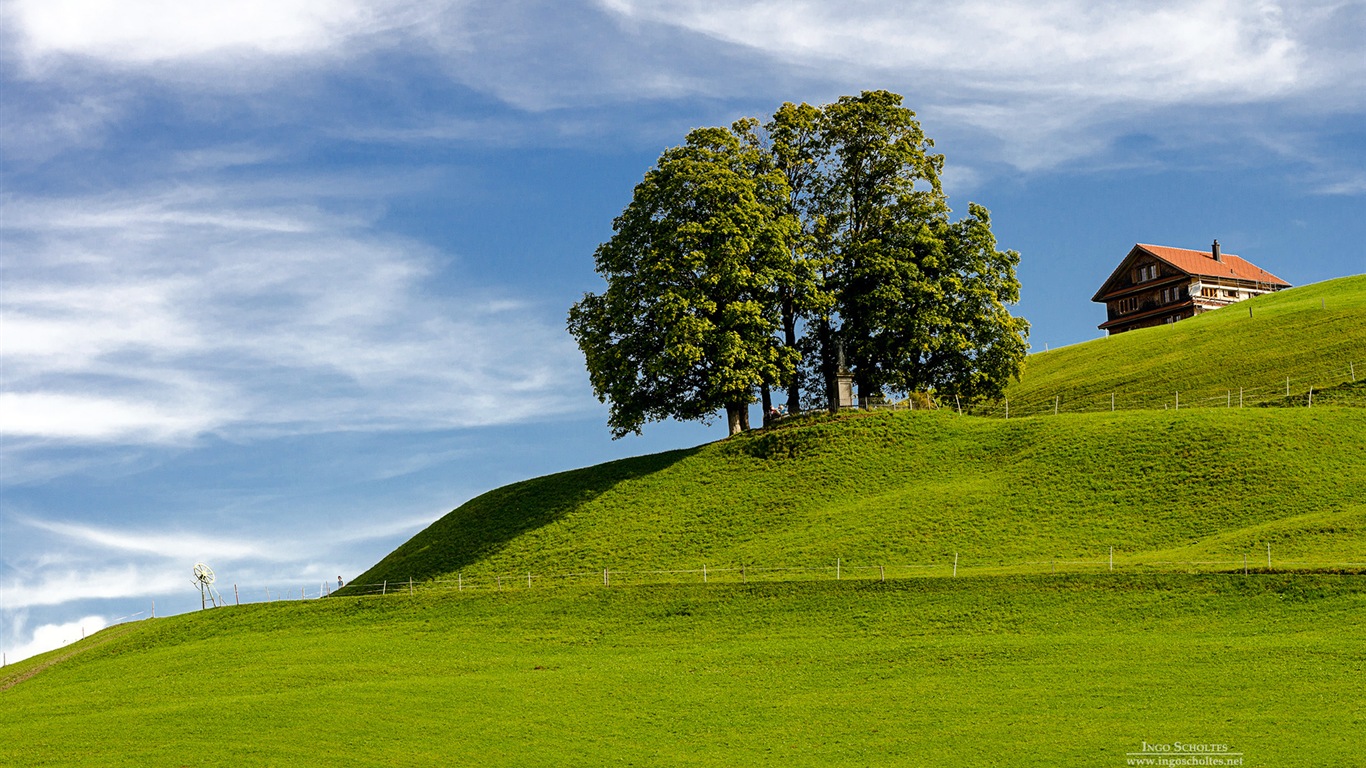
157	317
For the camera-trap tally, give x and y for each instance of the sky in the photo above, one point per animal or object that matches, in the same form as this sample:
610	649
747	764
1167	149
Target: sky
283	281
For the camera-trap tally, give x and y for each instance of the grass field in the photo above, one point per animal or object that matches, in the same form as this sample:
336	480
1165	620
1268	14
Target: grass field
1007	664
1167	490
1315	336
1012	671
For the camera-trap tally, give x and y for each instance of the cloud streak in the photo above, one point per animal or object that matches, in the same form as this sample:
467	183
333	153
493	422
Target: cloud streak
158	317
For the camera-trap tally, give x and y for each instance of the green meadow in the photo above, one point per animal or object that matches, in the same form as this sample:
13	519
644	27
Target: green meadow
999	670
911	588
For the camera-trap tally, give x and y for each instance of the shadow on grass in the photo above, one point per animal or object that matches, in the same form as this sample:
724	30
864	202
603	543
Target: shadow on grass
484	525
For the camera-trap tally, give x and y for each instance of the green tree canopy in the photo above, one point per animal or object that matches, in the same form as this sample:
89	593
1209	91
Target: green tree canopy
687	324
754	257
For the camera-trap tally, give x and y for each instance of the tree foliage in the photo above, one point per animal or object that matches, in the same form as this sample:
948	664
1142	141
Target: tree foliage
687	324
762	256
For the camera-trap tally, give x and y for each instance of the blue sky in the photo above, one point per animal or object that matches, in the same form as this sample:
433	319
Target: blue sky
285	280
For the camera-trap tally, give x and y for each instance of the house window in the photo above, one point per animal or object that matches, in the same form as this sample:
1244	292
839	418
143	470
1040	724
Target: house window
1146	273
1231	294
1209	293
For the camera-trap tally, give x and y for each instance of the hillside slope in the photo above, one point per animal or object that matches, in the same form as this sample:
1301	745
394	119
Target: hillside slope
915	488
1314	336
1165	487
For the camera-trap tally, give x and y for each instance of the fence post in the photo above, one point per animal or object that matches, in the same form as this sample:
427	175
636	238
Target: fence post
837	569
1268	555
1229	394
500	582
235	599
1311	397
154	608
1112	401
1244	563
704	573
1112	558
1178	399
384	590
604	578
410	586
460	581
882	571
1240	397
1287	386
1007	408
744	577
955	563
1352	368
528	579
302	594
1055	405
958	404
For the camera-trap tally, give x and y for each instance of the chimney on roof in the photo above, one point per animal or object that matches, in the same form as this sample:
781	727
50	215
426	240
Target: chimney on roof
1215	254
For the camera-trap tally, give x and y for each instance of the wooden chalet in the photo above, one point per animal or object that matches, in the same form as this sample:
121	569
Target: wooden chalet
1155	284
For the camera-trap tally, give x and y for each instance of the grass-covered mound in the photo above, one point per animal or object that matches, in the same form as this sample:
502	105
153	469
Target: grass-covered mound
1011	671
900	489
1168	480
1314	336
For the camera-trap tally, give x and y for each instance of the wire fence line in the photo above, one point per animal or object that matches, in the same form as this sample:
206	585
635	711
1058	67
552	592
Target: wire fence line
1259	562
1321	384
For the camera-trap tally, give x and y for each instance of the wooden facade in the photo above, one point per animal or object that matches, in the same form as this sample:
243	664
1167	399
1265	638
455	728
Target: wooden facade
1156	284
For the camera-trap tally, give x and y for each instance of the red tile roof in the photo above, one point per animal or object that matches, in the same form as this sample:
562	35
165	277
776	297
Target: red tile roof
1202	263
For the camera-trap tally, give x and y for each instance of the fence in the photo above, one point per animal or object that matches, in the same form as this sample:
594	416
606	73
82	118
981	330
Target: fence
1110	562
1305	387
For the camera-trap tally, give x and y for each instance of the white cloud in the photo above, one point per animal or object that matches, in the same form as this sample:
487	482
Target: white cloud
1107	51
48	637
161	30
156	317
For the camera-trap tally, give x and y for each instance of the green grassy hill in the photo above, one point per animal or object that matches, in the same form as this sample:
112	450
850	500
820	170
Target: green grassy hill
1315	336
1005	671
510	651
1168	488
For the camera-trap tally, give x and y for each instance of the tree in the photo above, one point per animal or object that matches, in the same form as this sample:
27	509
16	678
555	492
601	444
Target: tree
910	300
687	325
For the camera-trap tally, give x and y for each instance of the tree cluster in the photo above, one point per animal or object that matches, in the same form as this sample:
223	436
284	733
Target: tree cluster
775	257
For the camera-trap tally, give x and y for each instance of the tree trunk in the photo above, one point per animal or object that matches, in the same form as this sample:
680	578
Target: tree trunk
794	385
827	342
733	413
744	417
765	402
